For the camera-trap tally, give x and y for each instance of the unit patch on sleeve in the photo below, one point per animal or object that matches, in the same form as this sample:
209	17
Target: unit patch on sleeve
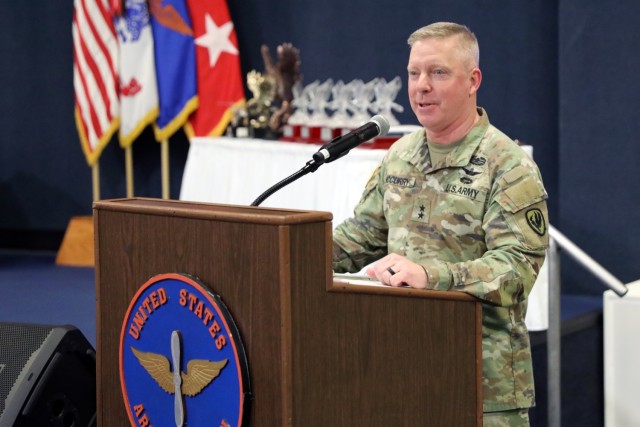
535	219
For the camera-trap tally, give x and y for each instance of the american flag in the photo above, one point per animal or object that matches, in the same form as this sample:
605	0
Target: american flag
95	78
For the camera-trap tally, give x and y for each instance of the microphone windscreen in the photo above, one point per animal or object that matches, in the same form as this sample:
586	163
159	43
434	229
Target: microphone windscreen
382	123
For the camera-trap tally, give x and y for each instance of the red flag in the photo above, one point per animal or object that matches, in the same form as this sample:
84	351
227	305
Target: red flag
218	68
95	80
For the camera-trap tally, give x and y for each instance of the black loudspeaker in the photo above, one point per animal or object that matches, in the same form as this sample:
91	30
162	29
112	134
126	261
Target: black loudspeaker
47	377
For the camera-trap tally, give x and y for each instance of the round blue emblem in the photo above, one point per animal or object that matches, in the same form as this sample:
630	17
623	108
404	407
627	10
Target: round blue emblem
181	358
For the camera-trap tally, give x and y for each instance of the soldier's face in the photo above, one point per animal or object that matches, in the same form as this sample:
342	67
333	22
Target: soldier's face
442	84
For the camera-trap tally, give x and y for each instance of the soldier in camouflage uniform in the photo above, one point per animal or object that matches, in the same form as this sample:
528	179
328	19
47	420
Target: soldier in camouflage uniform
457	206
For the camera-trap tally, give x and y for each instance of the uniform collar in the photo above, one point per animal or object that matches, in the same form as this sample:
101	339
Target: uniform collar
459	157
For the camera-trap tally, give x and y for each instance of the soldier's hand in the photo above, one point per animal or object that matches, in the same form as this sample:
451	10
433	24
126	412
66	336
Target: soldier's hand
396	270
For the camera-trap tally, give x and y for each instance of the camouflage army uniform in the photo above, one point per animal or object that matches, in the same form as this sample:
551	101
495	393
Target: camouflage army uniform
477	224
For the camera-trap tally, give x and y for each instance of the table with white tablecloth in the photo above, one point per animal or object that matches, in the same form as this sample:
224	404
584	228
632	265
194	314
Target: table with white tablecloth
238	170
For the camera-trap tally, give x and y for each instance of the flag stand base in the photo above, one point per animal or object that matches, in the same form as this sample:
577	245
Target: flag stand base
77	248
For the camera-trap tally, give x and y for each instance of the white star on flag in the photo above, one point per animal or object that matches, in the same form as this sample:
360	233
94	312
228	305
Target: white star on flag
216	40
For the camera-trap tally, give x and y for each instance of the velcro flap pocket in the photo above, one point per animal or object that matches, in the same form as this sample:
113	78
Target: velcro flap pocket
521	189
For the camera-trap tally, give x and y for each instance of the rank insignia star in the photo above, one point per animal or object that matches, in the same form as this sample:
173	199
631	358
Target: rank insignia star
420	211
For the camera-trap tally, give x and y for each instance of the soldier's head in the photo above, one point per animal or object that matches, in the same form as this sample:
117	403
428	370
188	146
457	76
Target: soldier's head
443	76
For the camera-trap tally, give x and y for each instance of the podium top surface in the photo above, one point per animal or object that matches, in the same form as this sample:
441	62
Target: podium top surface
231	213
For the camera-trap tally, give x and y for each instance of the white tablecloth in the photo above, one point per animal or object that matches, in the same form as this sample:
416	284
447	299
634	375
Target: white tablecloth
237	171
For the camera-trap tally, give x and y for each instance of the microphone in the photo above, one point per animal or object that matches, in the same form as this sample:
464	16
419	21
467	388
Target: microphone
376	126
338	147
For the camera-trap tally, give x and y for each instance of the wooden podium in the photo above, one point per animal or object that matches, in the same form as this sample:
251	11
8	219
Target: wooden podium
320	353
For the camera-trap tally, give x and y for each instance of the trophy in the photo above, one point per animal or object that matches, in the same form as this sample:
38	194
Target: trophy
342	104
265	114
286	74
363	95
253	119
319	96
300	115
385	95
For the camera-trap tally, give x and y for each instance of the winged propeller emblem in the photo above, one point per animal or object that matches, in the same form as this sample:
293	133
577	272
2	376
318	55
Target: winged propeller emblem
199	373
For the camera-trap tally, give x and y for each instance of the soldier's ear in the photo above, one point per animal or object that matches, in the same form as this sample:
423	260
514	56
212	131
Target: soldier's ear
475	78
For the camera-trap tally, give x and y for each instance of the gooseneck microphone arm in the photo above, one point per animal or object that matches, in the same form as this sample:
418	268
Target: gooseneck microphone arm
311	166
337	148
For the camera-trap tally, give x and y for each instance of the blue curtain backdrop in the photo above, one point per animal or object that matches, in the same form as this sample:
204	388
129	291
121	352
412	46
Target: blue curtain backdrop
557	75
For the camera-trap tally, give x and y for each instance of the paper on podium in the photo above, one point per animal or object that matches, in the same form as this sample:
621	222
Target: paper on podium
356	279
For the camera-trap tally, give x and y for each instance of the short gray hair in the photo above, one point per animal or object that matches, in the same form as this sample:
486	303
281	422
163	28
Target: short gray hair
442	30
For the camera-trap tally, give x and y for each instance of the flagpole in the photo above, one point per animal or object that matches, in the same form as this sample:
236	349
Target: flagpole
164	157
128	157
95	179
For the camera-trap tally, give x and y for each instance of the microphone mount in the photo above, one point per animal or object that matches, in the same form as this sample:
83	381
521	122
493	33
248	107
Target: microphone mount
309	167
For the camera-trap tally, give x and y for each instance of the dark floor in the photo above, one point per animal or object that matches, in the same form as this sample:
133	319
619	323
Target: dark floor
33	289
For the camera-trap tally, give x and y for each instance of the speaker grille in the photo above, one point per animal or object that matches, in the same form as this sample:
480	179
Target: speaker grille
18	343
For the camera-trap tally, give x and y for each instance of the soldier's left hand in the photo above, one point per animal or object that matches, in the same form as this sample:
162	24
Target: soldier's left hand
396	270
